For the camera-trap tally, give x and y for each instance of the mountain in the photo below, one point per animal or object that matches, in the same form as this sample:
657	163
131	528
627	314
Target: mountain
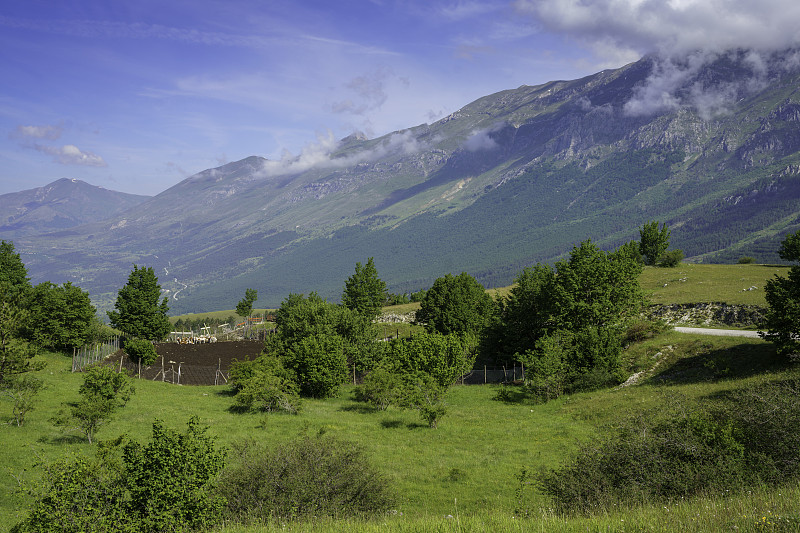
63	204
709	144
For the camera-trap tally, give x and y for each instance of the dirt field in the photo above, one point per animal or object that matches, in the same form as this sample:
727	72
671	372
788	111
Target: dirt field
194	364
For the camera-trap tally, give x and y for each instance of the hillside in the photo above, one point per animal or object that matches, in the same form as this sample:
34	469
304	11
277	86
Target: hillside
466	468
63	204
511	179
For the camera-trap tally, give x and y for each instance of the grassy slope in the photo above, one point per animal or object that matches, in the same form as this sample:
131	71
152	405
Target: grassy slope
465	468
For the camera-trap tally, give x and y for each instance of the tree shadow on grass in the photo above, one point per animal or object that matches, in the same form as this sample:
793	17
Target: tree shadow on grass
66	438
709	364
397	424
361	408
512	394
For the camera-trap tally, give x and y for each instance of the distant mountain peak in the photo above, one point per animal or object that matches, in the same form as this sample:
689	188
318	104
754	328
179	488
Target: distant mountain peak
62	204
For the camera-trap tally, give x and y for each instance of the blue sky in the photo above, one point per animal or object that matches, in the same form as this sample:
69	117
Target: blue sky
136	96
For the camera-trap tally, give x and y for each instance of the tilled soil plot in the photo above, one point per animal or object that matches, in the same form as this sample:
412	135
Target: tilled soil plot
193	364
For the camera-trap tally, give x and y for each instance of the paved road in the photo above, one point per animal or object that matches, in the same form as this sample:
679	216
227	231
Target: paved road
719	332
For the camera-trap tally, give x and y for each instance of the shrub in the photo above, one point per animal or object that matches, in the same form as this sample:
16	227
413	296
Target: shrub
640	330
310	476
746	438
264	384
103	392
161	486
380	389
671	259
141	350
320	364
647	461
746	260
169	479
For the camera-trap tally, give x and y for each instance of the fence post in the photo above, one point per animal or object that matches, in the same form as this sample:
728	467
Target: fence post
484	374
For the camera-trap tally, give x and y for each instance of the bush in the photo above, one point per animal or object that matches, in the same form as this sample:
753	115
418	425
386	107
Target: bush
746	260
103	392
161	486
264	384
746	438
671	259
308	477
320	364
640	330
141	351
380	389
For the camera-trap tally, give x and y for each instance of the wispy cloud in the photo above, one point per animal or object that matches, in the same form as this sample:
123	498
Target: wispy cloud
69	154
465	9
38	132
321	154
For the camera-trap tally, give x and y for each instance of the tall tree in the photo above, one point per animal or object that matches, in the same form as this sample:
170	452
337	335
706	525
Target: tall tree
364	291
783	297
137	310
456	304
245	306
16	352
62	316
653	242
14	282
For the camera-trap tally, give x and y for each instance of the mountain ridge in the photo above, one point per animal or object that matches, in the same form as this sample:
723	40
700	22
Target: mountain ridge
62	204
510	179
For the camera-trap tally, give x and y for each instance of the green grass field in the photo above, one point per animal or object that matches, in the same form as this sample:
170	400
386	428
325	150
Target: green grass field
461	476
691	283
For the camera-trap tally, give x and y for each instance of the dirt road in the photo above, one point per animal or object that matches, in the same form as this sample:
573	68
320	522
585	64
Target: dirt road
719	332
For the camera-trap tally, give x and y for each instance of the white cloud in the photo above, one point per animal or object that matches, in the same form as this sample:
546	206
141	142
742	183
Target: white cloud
320	154
672	27
69	154
39	132
480	140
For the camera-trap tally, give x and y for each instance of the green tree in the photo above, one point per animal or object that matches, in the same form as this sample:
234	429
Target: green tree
103	392
595	288
364	291
443	357
565	323
14	282
245	306
782	319
137	310
653	242
62	317
320	364
456	304
141	350
16	353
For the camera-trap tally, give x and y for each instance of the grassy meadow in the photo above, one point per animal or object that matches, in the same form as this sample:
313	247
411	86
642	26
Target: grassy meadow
463	475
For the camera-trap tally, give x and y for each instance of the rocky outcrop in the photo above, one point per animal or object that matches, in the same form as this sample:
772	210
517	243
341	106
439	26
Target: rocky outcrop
708	314
394	318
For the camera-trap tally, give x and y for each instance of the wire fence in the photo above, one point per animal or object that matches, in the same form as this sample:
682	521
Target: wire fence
183	372
87	355
175	372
